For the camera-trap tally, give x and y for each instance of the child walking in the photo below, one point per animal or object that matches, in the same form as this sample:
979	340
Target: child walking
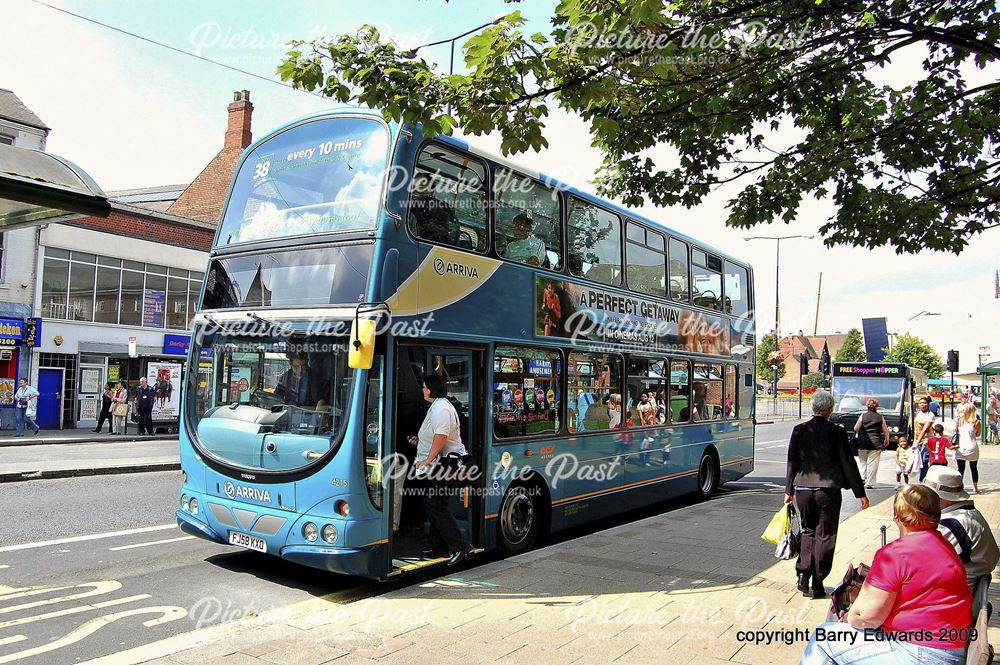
902	461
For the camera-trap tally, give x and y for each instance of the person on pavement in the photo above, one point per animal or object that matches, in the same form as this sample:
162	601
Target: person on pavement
963	525
968	443
121	412
914	606
873	437
439	436
922	422
144	397
25	407
105	415
820	464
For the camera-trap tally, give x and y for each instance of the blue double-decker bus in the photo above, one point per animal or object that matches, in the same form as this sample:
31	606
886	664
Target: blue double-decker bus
598	360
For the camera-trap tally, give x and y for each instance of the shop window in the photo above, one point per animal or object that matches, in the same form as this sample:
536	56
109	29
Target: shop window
645	261
154	299
593	399
525	392
737	290
448	199
81	291
647	392
55	282
131	302
528	226
177	302
678	271
706	287
593	247
108	289
707	391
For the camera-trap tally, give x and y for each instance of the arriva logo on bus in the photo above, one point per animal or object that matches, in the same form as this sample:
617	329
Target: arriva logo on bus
252	493
443	267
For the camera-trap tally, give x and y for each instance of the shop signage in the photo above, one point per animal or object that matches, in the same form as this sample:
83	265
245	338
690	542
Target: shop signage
33	332
11	332
178	345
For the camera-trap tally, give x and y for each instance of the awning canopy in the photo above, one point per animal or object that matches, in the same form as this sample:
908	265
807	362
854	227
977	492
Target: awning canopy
36	186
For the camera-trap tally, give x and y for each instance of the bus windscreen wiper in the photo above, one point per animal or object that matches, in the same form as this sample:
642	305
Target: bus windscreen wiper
273	324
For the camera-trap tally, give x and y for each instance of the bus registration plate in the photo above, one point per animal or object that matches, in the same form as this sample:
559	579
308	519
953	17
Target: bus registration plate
247	541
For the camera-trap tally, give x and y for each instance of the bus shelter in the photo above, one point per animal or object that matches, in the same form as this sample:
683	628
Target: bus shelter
990	374
36	186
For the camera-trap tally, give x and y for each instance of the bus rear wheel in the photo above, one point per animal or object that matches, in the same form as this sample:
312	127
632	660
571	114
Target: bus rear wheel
708	476
520	520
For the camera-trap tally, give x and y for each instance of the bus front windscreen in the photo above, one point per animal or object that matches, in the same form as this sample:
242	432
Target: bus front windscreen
272	402
851	394
321	176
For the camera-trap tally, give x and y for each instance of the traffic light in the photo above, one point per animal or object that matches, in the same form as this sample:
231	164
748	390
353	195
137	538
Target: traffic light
803	364
953	361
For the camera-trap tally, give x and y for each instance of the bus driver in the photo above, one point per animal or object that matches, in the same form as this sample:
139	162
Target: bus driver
301	386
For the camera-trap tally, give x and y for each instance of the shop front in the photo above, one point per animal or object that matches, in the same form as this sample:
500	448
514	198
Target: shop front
15	335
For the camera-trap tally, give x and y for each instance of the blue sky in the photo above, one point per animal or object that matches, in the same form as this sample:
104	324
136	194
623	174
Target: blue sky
134	114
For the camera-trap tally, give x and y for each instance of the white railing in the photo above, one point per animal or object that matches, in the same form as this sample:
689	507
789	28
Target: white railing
781	409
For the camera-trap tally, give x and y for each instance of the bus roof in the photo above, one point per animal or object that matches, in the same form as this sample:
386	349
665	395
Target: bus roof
504	161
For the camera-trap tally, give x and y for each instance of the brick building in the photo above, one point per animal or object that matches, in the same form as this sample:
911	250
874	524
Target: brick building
794	346
134	277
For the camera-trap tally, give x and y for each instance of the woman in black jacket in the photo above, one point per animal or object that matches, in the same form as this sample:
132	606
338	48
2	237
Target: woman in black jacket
105	409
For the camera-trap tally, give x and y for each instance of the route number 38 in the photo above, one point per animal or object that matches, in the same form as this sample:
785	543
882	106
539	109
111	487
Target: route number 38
261	170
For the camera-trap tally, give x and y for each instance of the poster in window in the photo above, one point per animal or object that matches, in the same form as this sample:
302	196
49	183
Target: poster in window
152	309
165	379
90	381
89	408
114	372
7	390
239	385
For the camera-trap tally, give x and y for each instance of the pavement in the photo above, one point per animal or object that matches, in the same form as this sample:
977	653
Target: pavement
7	437
692	585
69	457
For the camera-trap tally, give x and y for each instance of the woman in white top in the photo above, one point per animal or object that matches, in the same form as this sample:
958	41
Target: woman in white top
968	443
438	437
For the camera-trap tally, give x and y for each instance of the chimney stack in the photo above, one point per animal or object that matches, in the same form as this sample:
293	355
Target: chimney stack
238	129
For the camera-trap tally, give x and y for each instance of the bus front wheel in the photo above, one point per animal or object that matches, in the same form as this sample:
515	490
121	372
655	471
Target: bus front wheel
708	476
520	519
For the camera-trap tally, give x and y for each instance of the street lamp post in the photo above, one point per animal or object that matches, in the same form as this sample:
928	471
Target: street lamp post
777	286
412	53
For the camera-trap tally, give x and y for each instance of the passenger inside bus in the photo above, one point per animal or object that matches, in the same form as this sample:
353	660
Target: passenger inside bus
525	246
433	218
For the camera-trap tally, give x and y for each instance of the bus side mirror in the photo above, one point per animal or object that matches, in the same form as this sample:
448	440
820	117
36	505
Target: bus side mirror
362	344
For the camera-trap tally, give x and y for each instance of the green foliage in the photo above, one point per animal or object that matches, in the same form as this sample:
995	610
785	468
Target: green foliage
915	352
907	162
853	350
767	353
815	380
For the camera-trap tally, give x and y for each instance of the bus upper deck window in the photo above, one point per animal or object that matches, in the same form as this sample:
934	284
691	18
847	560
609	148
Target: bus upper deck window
528	226
706	285
737	290
448	199
594	243
678	272
644	260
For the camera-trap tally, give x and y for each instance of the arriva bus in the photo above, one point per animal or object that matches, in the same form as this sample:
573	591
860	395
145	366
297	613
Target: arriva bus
598	360
895	386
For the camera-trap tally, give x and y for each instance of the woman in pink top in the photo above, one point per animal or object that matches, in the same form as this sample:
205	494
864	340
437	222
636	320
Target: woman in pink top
907	612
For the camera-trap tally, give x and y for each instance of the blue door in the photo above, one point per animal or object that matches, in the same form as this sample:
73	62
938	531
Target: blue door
50	383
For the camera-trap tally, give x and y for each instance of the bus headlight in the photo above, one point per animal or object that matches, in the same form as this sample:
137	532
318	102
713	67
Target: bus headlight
330	533
895	429
194	506
310	532
185	506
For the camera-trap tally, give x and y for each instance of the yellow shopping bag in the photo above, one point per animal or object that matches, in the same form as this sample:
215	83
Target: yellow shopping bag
780	524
